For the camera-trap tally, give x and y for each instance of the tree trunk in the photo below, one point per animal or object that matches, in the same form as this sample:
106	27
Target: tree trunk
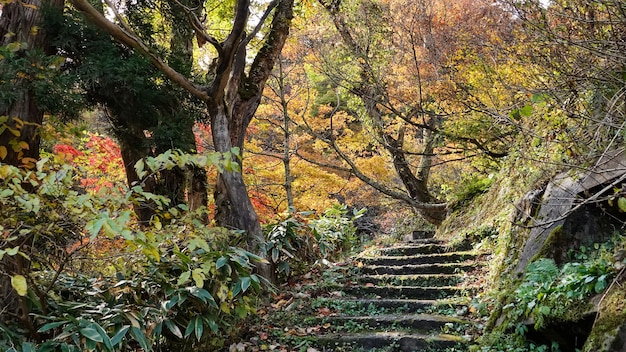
131	154
371	93
18	24
416	183
234	208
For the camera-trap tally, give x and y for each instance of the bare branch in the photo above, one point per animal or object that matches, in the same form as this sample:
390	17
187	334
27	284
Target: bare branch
259	25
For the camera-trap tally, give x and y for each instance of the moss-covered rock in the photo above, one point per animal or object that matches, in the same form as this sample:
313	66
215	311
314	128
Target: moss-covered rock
609	330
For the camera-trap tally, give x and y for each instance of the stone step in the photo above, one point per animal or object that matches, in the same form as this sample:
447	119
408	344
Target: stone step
432	280
437	258
378	304
405	291
404	342
447	268
423	323
418	241
414	249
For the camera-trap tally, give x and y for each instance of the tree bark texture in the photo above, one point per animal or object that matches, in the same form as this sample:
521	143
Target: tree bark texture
232	209
20	22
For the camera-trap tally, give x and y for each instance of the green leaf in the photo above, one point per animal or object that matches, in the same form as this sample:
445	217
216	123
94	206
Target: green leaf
256	283
14	46
221	262
212	325
537	98
94	226
13	251
621	204
237	288
203	295
28	347
241	310
198	327
91	333
48	346
111	228
245	283
117	338
19	284
527	110
198	277
600	284
51	326
140	337
171	326
139	167
105	337
157	331
545	310
189	329
184	277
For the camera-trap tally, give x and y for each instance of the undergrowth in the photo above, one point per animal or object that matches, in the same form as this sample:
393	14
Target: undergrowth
548	294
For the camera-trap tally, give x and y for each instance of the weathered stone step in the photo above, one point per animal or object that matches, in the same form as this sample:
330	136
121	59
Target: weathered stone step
437	258
423	323
432	280
405	342
447	268
378	304
405	291
423	241
414	249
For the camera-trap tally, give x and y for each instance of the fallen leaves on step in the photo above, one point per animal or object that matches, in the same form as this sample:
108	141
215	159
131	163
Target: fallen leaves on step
324	312
308	331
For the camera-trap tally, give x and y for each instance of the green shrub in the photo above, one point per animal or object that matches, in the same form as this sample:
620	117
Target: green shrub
78	273
335	231
289	243
548	294
295	242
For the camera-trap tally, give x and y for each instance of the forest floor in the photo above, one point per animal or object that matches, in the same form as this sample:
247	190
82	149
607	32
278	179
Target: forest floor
410	296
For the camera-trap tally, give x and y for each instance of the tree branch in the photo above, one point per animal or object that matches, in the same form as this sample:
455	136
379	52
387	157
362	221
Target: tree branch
136	43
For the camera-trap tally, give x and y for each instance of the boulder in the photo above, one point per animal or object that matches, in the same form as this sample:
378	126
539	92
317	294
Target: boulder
569	216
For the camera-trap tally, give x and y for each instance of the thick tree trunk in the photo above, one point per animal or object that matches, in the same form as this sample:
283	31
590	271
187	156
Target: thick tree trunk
131	154
416	183
233	205
20	22
236	209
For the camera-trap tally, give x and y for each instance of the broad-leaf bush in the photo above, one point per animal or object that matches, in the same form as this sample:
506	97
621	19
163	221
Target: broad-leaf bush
78	273
335	231
289	244
293	242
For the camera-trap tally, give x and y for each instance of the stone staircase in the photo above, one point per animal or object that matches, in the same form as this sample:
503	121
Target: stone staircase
409	297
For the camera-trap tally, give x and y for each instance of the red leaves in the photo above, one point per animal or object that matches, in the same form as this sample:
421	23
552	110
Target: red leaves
66	152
